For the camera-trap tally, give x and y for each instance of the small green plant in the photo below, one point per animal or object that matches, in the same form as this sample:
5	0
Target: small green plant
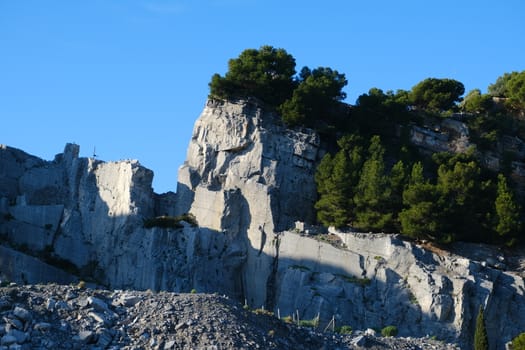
518	343
364	281
287	319
262	311
412	298
313	323
345	330
389	331
81	285
193	291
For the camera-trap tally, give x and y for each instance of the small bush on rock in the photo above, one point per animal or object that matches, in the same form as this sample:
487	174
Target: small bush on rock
287	319
345	330
313	323
262	312
389	331
518	343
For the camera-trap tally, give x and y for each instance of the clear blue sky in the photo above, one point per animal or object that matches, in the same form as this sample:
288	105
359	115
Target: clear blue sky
130	77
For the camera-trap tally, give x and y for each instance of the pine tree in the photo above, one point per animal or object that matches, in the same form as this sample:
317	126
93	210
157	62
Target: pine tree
373	193
336	178
397	182
481	341
332	180
420	218
507	211
459	188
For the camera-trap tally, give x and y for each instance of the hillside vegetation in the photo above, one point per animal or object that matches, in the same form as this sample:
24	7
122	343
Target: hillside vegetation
374	179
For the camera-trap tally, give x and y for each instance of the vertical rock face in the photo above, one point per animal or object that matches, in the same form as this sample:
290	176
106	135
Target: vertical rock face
86	215
378	280
248	176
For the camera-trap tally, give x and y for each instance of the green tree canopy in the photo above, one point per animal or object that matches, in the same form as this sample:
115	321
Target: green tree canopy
500	87
460	188
266	73
516	92
316	98
507	211
421	216
378	112
336	178
437	94
373	191
476	102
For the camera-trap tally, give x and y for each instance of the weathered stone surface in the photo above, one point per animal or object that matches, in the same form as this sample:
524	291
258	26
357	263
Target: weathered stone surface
17	266
22	314
8	339
248	176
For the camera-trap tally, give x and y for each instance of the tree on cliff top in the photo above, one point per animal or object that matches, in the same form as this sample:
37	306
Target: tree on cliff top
437	94
311	99
316	98
267	73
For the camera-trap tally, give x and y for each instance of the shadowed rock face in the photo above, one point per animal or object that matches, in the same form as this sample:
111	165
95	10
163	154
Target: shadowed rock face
247	179
86	215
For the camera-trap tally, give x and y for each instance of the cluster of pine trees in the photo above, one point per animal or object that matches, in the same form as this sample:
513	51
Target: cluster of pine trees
374	180
448	197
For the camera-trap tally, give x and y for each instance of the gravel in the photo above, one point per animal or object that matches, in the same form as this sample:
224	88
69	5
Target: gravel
67	317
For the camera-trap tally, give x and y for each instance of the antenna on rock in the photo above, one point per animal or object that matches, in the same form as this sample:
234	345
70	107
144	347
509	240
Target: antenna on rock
94	152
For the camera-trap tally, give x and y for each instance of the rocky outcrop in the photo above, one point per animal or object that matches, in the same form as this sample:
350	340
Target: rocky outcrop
449	135
86	216
378	280
247	180
248	176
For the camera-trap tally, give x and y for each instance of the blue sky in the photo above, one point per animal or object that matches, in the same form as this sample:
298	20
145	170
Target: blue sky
130	77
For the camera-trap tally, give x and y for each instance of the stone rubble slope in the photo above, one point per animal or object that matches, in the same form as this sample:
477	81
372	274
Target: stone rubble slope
67	317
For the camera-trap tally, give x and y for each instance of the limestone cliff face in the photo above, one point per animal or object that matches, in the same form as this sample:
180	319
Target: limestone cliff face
249	177
377	280
86	214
